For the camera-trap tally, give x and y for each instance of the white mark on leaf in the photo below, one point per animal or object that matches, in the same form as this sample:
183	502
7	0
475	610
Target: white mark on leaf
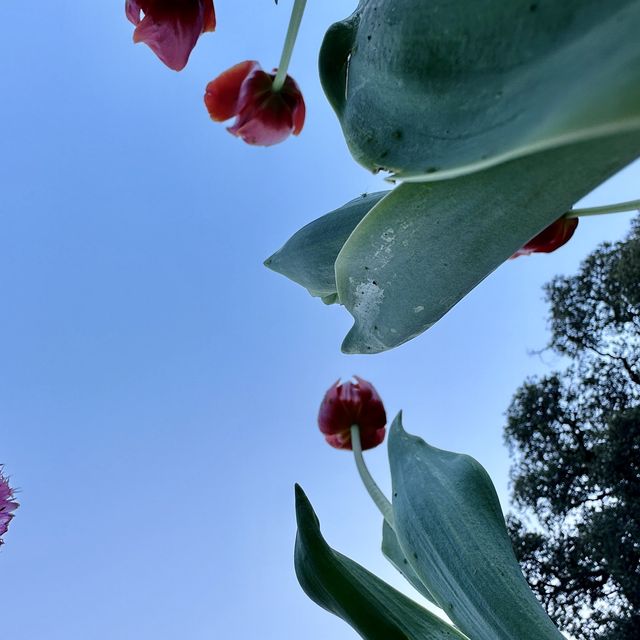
366	306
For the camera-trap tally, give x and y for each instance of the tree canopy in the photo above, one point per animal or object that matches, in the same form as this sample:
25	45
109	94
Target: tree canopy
574	436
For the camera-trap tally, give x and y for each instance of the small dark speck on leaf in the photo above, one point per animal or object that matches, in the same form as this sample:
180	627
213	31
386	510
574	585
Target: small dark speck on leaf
533	7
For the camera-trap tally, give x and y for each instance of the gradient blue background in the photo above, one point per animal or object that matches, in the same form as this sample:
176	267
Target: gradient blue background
159	386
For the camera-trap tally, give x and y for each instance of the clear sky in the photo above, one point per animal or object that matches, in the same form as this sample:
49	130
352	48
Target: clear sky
158	385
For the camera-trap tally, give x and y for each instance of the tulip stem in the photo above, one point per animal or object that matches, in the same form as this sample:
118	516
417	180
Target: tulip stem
618	207
370	484
289	42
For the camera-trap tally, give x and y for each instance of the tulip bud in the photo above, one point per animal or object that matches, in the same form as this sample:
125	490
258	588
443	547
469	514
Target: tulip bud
348	404
264	115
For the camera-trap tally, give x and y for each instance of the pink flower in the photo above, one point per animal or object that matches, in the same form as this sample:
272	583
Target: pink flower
264	116
171	27
552	238
352	403
7	505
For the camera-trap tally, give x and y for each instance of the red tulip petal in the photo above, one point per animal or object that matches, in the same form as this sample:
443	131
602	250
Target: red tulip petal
299	113
340	440
371	439
222	94
132	9
263	128
553	237
372	415
293	96
259	133
171	32
209	16
332	417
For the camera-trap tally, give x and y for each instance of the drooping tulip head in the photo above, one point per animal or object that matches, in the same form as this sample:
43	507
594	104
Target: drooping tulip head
352	403
171	28
550	239
264	115
7	505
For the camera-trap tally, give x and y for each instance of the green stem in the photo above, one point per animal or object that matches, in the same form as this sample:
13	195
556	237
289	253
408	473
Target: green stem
370	484
618	207
289	42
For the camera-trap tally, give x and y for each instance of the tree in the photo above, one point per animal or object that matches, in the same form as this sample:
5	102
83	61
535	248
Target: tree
574	437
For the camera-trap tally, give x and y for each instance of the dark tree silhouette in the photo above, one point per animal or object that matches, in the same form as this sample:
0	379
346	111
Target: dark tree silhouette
575	441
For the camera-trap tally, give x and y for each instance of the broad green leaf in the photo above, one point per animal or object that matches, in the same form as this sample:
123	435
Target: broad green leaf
426	245
392	551
309	256
451	529
436	89
339	585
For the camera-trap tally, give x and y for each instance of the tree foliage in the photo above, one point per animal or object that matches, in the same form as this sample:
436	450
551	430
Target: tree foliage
575	439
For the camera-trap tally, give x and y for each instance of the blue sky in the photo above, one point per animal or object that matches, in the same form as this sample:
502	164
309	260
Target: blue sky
159	386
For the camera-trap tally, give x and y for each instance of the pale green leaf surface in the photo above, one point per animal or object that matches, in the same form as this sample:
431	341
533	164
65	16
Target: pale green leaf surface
451	529
309	256
339	585
426	245
392	551
436	89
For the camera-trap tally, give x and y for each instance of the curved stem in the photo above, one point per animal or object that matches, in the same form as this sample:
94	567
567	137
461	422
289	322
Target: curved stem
289	42
618	207
370	484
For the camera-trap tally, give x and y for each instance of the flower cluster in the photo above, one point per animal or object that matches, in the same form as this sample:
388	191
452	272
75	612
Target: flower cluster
7	505
267	108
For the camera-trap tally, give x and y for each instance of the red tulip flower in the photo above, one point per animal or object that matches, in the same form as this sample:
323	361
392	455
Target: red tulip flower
265	114
171	28
550	239
7	505
348	404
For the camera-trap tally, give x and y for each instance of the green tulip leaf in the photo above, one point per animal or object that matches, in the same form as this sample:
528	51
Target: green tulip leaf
437	89
309	256
393	552
339	585
450	528
421	249
498	116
